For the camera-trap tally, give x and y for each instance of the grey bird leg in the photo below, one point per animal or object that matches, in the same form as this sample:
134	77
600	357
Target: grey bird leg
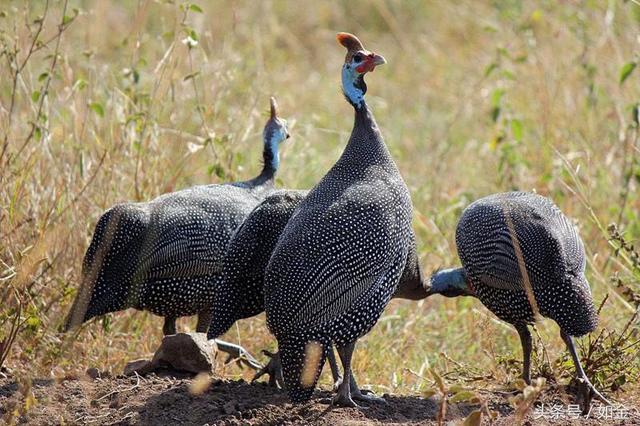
586	389
343	398
204	320
274	370
169	326
358	395
238	352
335	371
525	340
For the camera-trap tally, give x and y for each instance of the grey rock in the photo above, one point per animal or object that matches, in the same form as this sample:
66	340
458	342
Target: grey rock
190	352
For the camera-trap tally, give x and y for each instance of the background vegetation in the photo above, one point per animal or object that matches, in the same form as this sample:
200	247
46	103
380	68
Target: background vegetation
102	102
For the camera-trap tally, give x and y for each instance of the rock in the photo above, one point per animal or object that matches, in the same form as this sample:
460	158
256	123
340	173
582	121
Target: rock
190	352
140	366
93	373
230	407
115	402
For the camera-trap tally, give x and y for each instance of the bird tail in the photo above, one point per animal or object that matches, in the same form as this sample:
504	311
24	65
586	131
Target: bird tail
91	266
117	238
302	360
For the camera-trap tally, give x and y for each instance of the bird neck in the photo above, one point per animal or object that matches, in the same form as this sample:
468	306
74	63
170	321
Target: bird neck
353	86
450	283
365	146
271	160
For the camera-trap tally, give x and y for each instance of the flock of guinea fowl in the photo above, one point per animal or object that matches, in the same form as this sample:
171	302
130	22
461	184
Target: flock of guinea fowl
324	263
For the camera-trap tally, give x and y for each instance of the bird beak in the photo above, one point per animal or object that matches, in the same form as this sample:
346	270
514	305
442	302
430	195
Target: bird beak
373	60
378	60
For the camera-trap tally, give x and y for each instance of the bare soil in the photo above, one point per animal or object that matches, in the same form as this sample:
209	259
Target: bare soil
166	399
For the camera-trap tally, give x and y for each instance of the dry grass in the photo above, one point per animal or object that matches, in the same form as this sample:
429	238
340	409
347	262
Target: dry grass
477	97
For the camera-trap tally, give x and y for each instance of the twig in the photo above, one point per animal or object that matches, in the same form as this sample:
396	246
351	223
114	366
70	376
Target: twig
122	390
34	125
18	70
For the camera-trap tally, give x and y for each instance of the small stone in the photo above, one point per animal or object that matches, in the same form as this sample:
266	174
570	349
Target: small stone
115	402
230	407
93	373
190	352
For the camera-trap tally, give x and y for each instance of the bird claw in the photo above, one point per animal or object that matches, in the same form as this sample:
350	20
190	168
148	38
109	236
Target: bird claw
273	369
245	359
344	400
368	396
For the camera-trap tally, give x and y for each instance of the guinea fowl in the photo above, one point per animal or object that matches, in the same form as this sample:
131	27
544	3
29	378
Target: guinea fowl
239	290
340	257
162	255
239	293
522	257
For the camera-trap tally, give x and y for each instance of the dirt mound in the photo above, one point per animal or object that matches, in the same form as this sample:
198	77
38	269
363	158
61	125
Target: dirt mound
169	399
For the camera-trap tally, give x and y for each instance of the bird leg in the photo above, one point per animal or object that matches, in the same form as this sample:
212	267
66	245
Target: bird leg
335	371
365	395
274	370
239	353
169	326
343	398
586	390
525	340
204	320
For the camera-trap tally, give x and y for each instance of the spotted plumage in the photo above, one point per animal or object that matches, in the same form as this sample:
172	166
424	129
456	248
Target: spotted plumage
162	255
239	291
522	258
340	257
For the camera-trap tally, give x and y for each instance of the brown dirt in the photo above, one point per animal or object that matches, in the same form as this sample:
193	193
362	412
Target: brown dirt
166	399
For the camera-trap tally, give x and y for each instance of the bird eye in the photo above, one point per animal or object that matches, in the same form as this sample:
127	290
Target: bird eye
357	57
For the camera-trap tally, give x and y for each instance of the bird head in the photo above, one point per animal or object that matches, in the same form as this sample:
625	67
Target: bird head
276	130
357	63
449	283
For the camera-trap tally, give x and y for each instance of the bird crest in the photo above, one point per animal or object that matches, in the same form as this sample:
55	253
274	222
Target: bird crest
274	108
350	41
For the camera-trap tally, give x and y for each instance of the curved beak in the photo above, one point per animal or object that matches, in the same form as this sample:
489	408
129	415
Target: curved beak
371	62
378	60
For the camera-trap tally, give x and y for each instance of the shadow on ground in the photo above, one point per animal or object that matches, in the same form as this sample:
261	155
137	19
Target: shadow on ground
165	398
243	403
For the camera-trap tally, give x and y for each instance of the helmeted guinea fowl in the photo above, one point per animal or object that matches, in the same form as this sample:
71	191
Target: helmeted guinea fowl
239	290
239	293
340	258
522	257
161	255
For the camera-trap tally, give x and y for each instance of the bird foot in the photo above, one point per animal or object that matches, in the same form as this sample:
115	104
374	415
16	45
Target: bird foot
238	352
273	369
367	396
585	395
344	400
586	392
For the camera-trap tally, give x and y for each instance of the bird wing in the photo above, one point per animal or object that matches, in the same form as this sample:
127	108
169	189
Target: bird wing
521	252
189	231
353	246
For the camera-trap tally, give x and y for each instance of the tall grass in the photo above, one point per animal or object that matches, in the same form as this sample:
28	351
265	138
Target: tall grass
102	102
